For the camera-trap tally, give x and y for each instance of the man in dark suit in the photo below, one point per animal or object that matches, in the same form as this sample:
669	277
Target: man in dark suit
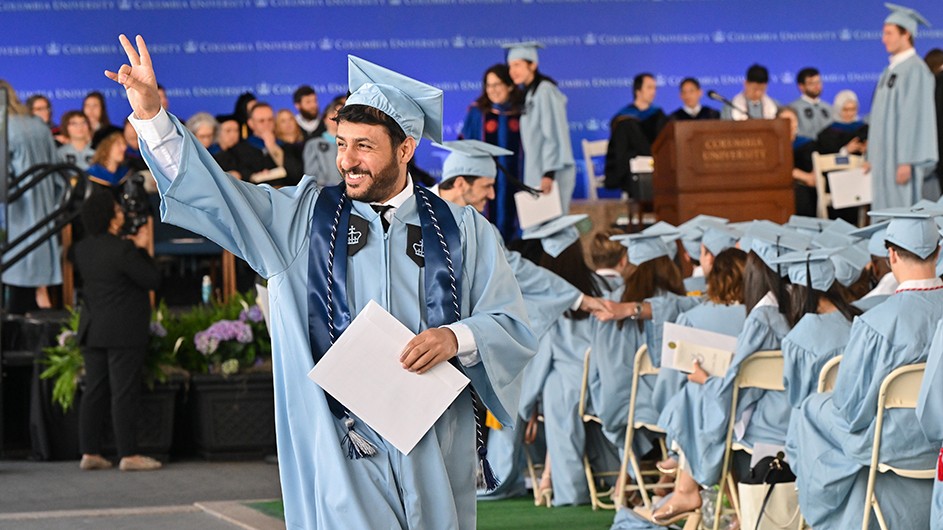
113	330
691	108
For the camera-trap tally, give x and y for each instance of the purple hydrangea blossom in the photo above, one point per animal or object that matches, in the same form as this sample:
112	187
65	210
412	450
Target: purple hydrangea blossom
158	329
208	340
65	337
253	314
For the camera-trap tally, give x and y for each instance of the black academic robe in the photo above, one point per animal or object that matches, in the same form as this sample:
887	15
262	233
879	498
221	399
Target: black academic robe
629	137
706	113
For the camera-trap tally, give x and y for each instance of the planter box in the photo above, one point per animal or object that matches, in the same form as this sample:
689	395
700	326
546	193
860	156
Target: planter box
155	428
233	417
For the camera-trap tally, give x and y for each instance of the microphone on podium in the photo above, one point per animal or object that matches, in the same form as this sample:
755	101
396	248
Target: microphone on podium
717	97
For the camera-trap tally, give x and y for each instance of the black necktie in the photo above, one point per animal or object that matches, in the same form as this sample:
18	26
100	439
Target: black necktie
382	209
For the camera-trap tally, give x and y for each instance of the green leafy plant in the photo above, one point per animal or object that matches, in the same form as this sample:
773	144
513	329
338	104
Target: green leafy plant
64	363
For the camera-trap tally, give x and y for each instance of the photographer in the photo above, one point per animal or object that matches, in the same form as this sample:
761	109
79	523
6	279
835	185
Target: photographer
110	171
113	330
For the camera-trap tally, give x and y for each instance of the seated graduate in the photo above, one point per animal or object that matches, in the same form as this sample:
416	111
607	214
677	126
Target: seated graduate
610	260
848	134
691	108
883	282
338	472
555	374
468	179
697	417
633	131
930	414
835	430
692	231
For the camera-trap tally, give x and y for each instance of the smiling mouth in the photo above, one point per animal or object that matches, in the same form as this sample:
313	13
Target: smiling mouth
354	177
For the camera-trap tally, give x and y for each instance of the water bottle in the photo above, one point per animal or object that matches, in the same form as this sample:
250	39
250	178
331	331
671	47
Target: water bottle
206	290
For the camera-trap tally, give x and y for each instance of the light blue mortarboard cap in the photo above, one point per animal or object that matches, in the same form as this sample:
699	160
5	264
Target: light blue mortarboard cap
557	234
522	50
939	261
811	268
807	225
832	240
912	229
850	263
471	158
415	106
643	247
719	238
905	17
770	242
669	235
874	235
840	226
693	230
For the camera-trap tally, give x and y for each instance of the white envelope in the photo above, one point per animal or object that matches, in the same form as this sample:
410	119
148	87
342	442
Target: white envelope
362	371
849	187
642	164
532	211
682	345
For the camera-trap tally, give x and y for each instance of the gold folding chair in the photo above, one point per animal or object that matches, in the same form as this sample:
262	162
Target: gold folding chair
829	374
642	366
899	390
764	370
593	477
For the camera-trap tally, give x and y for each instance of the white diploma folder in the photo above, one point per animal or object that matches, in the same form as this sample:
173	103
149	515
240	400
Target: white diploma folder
849	187
532	211
682	345
362	371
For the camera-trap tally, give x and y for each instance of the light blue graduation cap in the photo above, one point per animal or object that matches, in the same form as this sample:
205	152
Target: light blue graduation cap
415	106
811	268
770	242
850	262
557	234
807	225
840	226
669	235
939	260
832	240
874	235
912	229
643	247
692	231
522	50
905	17
471	158
719	238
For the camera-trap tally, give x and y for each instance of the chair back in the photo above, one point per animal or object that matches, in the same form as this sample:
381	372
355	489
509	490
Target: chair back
763	369
593	149
901	387
829	374
822	164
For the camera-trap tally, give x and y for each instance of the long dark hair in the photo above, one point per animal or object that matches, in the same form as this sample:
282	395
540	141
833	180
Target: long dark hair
650	278
571	266
759	279
515	99
804	299
104	121
538	78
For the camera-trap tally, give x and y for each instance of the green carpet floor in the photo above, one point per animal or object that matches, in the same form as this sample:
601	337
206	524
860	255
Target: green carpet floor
514	514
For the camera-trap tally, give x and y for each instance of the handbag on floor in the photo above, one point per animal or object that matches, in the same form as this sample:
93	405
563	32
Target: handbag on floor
768	496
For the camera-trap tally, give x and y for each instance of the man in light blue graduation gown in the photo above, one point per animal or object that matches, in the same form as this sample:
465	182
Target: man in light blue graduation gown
30	143
835	430
468	177
930	414
545	131
902	147
336	472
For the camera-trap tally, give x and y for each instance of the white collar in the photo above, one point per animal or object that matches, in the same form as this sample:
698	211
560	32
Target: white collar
612	273
918	285
898	58
693	111
812	101
400	197
769	299
886	286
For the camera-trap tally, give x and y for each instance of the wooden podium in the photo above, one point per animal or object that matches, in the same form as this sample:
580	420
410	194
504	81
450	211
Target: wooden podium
740	170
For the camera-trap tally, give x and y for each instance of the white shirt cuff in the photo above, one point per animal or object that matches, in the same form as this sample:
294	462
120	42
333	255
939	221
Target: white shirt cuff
467	349
155	130
579	301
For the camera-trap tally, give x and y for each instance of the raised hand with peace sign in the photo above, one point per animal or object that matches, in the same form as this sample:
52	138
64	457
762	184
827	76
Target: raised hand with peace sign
138	79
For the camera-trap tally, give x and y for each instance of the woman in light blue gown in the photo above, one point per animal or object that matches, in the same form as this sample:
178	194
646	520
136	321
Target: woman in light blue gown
930	414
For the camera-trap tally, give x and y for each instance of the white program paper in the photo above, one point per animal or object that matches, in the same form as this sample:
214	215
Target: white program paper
642	164
532	211
682	345
849	187
362	371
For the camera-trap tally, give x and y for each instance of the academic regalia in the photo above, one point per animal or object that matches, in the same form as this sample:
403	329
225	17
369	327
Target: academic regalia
696	285
697	417
806	198
632	133
930	415
31	143
666	307
320	160
500	126
836	428
69	155
100	175
837	135
814	116
902	131
434	485
765	108
545	138
704	113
